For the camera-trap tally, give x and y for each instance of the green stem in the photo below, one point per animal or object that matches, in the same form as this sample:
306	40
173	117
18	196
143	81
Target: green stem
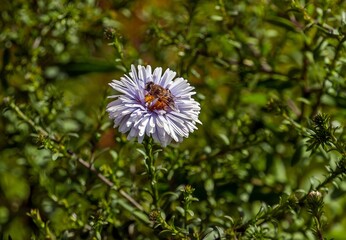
150	164
185	216
319	233
25	118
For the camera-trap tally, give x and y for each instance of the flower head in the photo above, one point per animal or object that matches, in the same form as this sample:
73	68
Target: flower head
154	104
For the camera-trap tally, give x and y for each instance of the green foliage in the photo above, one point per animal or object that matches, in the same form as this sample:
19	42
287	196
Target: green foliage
268	162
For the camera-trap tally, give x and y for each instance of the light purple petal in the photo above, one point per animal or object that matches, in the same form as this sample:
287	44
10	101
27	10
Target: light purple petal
130	112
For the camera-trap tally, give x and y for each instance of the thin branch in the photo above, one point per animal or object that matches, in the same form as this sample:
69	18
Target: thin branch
105	180
87	165
8	100
329	73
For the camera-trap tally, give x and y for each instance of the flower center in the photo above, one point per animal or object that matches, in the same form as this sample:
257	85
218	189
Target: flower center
158	97
154	103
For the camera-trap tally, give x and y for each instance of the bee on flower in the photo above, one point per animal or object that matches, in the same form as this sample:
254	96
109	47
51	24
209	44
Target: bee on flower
158	97
154	104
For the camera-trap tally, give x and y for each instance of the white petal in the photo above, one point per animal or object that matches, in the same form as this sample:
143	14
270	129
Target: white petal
130	113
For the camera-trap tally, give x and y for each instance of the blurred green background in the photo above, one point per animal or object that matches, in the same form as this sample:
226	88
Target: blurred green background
255	65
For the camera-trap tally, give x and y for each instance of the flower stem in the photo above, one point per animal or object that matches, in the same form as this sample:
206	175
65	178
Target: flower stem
151	170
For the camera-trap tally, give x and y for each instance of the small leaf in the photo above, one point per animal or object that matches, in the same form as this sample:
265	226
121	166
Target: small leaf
76	135
55	156
301	192
224	138
114	154
229	218
173	195
190	212
213	233
180	210
209	185
142	152
282	22
216	18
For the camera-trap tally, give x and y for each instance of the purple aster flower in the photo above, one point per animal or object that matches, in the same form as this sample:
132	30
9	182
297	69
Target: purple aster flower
155	105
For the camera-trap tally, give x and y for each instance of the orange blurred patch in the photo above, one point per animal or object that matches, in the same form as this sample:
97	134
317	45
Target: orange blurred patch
107	139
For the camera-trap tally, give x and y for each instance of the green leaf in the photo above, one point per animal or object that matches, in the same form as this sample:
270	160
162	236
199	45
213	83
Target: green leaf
213	233
190	212
209	185
281	22
180	210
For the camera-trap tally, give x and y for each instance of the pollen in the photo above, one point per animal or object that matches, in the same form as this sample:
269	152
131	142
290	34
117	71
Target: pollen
149	98
154	103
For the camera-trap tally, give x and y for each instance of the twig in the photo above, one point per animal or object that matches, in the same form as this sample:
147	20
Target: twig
87	165
8	100
105	180
329	73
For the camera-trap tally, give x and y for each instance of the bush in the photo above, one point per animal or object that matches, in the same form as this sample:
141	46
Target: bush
268	161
